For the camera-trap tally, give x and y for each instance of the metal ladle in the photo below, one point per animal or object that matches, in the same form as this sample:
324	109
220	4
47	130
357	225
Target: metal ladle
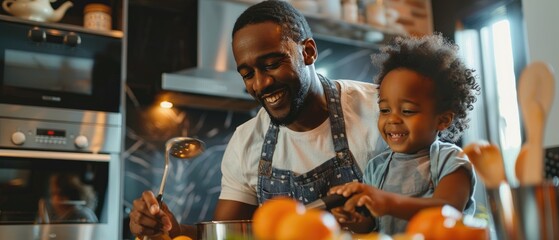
181	148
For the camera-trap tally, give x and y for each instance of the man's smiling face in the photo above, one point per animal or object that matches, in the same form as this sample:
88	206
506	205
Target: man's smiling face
272	69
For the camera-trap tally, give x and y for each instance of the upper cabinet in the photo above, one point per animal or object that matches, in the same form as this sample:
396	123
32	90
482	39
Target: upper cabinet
104	17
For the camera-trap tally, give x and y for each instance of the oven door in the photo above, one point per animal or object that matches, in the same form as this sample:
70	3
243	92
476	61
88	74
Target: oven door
58	195
44	66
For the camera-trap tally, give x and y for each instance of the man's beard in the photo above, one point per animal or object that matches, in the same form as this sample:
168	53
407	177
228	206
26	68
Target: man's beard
296	104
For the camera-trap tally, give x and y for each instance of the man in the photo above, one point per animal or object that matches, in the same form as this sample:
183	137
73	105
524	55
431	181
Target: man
299	144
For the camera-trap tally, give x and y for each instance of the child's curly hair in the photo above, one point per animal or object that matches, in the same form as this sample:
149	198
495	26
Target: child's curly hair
437	59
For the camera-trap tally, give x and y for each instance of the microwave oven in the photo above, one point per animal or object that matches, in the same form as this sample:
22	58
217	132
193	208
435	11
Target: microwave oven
54	65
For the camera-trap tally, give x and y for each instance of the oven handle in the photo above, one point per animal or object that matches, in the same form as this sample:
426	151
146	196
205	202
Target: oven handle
55	155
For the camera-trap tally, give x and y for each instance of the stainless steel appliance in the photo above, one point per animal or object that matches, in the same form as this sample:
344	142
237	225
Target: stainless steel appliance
60	132
214	83
59	66
33	151
216	73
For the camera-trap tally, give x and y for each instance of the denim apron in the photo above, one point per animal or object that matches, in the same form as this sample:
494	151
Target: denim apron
314	184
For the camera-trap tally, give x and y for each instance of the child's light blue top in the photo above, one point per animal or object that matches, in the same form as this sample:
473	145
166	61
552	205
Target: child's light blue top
415	175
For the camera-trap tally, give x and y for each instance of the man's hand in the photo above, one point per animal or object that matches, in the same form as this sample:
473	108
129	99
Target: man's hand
147	218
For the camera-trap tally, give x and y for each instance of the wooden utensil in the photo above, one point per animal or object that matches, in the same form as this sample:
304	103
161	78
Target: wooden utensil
488	162
535	95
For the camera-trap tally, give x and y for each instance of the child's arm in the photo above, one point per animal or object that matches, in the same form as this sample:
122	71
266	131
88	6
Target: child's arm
453	189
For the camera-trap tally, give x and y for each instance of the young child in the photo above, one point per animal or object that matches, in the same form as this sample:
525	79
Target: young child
426	92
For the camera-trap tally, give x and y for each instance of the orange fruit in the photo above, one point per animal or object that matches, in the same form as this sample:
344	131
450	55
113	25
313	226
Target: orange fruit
313	224
444	222
464	232
182	238
434	222
266	218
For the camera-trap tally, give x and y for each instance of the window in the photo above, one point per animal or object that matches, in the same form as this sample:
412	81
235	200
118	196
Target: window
488	45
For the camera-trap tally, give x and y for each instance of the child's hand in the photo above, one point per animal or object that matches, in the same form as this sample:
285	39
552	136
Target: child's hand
345	217
348	189
375	200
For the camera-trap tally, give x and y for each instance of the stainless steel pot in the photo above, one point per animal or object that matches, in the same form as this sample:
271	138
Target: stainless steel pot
225	230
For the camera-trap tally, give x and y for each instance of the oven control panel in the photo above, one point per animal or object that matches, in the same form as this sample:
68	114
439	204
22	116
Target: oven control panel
34	134
49	136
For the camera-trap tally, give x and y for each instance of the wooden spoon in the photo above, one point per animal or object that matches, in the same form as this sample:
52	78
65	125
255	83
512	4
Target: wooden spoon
488	162
535	95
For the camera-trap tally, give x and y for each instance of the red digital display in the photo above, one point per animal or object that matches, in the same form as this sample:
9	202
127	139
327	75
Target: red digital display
51	132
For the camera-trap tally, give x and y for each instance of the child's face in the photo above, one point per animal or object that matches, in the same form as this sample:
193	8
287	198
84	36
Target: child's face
408	119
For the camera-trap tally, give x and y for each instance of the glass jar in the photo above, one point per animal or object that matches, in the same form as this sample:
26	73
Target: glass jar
350	11
97	16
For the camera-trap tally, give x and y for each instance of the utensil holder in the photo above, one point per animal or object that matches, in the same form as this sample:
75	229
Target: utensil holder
537	210
504	220
525	212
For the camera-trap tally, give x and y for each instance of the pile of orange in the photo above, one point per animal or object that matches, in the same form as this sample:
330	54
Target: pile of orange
284	218
444	223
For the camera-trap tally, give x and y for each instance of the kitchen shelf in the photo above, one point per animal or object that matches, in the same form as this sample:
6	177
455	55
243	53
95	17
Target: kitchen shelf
73	17
62	26
354	34
342	32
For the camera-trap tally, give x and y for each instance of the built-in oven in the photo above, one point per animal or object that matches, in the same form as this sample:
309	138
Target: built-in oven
60	131
59	179
60	66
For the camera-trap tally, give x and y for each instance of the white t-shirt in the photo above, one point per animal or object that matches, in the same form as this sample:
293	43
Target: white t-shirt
309	149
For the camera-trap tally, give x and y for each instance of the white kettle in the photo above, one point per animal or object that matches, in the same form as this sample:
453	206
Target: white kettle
37	10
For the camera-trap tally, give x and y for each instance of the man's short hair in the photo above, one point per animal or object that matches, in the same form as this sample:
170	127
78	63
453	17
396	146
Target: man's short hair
292	22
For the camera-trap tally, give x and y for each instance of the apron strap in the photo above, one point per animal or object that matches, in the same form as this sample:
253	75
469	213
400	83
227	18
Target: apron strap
336	113
268	148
